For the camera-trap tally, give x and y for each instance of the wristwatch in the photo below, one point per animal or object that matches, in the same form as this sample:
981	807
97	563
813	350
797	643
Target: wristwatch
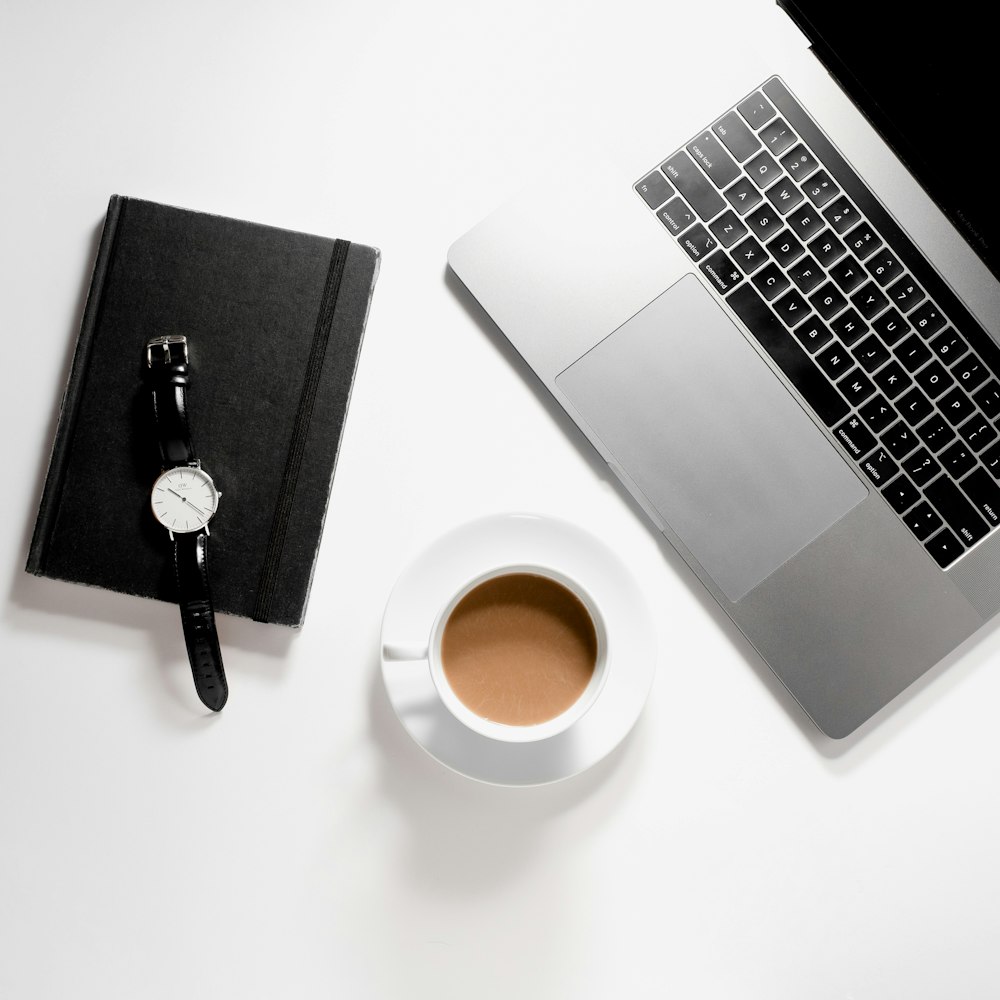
184	499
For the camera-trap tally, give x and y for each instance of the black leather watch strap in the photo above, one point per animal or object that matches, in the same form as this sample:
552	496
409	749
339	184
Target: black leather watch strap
169	376
198	618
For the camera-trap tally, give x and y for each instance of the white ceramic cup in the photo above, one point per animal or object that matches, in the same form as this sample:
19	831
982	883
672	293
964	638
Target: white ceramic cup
429	655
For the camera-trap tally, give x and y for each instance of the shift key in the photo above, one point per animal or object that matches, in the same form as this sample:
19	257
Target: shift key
697	189
959	514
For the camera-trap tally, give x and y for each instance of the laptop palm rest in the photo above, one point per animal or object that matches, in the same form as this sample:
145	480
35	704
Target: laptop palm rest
718	446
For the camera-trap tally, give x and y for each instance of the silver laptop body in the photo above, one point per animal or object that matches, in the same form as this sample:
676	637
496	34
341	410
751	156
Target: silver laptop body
642	335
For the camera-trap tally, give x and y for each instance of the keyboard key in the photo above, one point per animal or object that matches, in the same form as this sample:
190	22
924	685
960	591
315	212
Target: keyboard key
770	281
891	326
905	293
756	110
708	153
787	355
879	467
892	380
901	494
948	346
920	467
869	300
743	196
698	242
991	459
820	189
922	520
849	326
721	272
913	406
697	190
863	240
870	353
791	308
806	273
944	547
956	406
727	228
855	437
848	274
856	387
828	301
805	222
978	432
958	513
764	222
936	432
763	169
827	248
785	248
676	215
883	266
841	215
835	360
957	459
934	379
927	319
738	139
777	137
654	189
812	334
749	255
913	352
988	398
899	439
984	494
877	414
784	195
970	372
799	162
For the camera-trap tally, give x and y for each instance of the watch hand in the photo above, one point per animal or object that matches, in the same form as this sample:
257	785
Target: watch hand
188	502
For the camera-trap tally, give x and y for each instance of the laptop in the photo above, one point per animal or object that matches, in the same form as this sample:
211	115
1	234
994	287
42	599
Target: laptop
774	312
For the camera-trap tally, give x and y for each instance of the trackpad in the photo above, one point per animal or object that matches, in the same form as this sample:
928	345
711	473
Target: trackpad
711	437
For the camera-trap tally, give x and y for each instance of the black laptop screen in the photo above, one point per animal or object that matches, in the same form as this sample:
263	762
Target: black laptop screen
926	83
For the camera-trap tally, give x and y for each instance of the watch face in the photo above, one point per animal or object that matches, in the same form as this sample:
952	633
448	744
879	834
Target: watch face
184	499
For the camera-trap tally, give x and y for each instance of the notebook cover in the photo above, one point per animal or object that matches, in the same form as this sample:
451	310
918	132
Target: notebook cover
274	321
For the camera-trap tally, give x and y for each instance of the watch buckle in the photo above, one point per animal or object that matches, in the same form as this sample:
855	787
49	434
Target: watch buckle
166	344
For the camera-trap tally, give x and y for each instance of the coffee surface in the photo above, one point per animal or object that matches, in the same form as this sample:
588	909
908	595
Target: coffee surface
519	649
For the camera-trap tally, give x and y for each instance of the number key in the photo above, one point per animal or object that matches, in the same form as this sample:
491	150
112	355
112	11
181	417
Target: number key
883	266
948	346
906	293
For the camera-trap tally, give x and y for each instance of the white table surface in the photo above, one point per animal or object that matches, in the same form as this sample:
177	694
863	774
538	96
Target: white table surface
300	845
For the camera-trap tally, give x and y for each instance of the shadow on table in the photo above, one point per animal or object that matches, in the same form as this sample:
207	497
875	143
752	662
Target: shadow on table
466	837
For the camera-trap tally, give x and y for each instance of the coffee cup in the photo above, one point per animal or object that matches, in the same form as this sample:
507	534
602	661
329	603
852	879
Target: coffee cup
517	649
518	653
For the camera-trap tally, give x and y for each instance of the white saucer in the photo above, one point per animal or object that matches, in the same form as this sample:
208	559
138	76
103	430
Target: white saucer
430	581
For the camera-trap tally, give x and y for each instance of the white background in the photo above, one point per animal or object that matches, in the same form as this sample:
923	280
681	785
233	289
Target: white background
300	845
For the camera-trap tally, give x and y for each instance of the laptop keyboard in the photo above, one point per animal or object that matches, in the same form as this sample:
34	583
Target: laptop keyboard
793	240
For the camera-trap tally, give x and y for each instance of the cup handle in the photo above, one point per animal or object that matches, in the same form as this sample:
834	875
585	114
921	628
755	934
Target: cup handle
404	651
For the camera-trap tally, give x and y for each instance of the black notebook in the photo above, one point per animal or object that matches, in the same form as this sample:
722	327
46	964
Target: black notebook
274	321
